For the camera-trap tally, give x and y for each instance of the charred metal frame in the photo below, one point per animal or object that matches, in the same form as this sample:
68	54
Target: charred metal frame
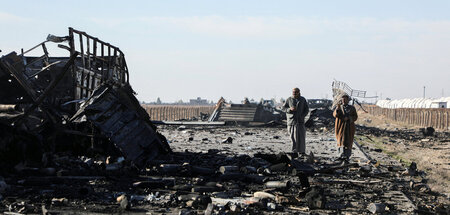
341	86
100	62
92	63
93	82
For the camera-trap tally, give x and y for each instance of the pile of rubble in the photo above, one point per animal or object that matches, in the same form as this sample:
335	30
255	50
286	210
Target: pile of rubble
320	119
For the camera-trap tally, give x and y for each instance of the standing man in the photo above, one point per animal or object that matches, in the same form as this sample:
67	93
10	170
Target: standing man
346	116
296	108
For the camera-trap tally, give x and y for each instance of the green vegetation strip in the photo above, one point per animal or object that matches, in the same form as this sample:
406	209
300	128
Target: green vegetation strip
379	143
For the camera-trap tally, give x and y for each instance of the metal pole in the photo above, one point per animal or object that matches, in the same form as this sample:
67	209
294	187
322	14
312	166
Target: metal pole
423	91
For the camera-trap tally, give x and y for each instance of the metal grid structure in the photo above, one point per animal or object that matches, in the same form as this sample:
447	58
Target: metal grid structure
339	87
100	62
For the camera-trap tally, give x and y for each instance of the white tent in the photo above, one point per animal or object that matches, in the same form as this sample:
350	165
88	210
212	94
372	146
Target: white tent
443	102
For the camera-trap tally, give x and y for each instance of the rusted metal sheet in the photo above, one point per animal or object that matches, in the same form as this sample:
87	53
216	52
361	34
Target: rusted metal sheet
117	113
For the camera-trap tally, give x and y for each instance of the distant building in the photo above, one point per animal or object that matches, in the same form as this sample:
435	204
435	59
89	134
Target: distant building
415	103
198	101
438	105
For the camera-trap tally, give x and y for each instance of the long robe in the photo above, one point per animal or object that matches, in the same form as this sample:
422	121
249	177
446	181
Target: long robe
296	122
345	130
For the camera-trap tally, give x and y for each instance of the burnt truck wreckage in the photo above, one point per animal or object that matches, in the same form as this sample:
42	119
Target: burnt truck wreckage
79	103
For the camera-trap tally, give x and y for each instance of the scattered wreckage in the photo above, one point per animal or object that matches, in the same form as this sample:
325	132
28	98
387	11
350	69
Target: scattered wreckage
245	113
73	134
49	104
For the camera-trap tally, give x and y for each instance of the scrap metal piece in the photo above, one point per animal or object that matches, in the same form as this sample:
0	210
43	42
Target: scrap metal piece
13	65
117	113
56	39
215	113
51	85
248	112
8	108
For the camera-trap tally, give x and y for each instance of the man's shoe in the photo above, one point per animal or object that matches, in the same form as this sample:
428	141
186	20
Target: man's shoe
293	155
345	162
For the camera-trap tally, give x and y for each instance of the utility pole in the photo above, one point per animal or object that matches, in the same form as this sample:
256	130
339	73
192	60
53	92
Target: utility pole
423	91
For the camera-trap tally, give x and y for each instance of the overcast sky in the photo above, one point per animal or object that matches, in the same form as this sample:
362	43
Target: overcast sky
257	49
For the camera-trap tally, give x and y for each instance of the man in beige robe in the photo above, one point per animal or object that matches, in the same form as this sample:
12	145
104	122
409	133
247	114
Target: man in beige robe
346	116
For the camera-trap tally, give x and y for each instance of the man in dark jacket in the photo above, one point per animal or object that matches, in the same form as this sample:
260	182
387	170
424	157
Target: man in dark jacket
296	109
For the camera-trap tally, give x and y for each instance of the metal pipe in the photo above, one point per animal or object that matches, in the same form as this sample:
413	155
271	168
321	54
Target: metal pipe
8	108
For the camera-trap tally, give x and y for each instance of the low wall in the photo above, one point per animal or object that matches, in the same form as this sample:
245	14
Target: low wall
176	112
438	118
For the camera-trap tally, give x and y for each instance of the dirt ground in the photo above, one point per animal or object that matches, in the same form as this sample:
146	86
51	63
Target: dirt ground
432	154
87	186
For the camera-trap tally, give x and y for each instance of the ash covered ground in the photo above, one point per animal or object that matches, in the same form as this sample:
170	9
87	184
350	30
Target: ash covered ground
228	170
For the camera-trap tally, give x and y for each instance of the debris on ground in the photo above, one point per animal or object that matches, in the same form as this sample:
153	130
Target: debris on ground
245	113
75	139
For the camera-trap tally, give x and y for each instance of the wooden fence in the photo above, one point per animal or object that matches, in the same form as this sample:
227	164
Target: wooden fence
438	118
176	112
